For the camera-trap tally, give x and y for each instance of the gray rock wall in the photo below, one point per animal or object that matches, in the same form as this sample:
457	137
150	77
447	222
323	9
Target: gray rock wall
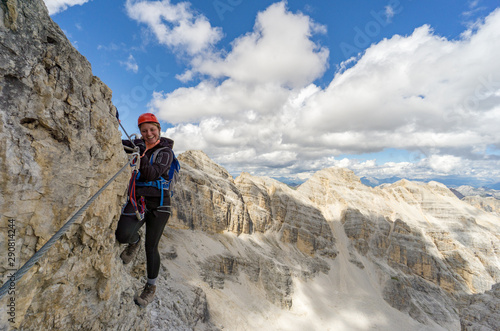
434	257
59	143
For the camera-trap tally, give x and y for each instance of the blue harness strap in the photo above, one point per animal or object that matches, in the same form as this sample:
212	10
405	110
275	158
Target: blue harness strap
162	184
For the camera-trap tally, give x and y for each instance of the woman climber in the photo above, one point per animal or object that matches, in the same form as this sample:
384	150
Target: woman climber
150	203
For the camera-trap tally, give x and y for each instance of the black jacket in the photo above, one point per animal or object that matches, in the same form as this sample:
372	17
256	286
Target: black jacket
150	172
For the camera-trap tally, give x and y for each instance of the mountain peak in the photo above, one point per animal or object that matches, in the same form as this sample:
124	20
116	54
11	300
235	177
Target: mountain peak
197	159
249	253
339	175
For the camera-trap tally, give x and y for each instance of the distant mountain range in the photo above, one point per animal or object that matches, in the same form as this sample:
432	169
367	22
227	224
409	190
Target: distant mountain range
484	192
450	181
474	187
468	186
459	186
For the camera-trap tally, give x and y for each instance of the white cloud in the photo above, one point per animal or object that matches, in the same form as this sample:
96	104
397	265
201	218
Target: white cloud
130	64
410	88
57	6
230	99
473	3
473	8
389	12
110	47
437	98
444	164
175	25
279	50
262	70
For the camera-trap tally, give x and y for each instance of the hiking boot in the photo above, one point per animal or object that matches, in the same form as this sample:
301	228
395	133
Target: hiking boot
128	254
147	295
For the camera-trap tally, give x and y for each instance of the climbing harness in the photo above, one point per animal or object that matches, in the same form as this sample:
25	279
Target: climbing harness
134	163
162	184
139	206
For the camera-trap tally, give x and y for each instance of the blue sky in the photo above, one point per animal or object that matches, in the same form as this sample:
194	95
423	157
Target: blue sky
283	89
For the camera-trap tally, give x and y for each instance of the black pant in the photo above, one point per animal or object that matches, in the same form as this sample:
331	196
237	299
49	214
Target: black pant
129	225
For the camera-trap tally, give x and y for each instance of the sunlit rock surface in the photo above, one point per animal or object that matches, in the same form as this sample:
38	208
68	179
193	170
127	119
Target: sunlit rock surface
489	204
59	144
247	253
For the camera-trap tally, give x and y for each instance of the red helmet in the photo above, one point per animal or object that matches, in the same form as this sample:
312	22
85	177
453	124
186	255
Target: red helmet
147	118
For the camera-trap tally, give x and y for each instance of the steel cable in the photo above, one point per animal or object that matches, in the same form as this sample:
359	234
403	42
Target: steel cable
21	271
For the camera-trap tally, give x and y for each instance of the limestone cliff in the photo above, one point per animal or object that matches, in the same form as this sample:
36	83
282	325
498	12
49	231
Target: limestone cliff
413	246
247	205
59	143
489	204
247	253
430	246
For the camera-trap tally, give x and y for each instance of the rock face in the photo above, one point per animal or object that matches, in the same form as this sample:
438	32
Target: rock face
481	191
219	204
247	205
430	251
247	253
209	200
481	311
59	144
431	244
489	204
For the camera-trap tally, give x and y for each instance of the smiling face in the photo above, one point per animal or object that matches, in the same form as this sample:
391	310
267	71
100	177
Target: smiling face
150	133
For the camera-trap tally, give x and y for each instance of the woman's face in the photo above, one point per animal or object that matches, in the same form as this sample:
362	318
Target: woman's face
150	133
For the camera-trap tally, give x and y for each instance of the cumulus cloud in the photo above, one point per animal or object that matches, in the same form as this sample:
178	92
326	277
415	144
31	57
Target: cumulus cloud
410	88
175	25
259	110
260	74
230	99
57	6
444	164
279	51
